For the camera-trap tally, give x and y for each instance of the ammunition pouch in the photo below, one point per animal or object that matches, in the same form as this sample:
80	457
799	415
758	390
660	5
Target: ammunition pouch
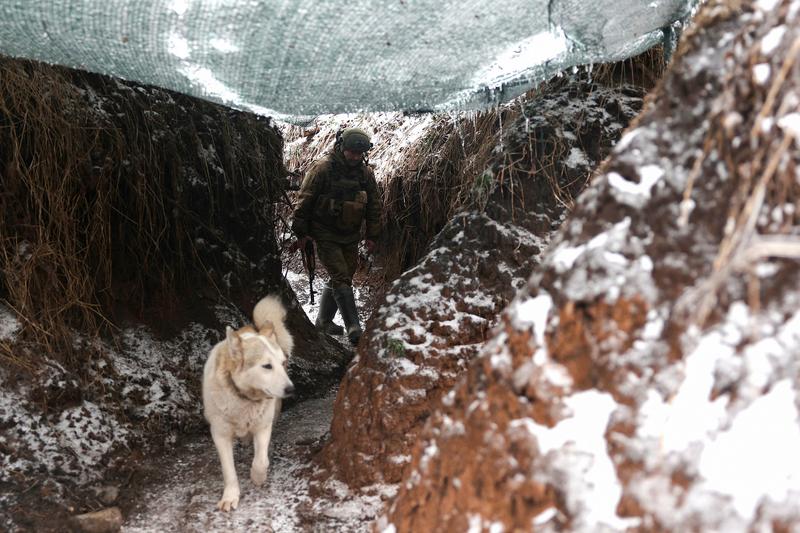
353	211
343	215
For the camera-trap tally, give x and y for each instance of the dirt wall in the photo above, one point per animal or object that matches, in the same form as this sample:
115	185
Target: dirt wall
135	224
652	354
436	317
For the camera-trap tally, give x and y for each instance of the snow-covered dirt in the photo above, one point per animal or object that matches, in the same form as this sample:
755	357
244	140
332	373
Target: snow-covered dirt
179	491
185	485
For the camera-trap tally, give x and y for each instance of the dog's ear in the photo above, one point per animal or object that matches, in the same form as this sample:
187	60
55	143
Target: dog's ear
235	350
268	330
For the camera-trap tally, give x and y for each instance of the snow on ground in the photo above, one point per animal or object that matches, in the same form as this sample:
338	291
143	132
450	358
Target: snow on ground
152	372
299	283
189	485
9	325
55	424
72	443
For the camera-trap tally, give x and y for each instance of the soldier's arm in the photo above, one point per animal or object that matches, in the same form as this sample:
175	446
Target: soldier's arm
304	205
373	214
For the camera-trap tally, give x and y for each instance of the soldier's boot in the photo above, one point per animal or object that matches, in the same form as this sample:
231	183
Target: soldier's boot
327	310
347	306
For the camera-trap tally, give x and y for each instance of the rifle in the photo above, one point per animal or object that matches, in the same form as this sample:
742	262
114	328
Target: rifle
309	262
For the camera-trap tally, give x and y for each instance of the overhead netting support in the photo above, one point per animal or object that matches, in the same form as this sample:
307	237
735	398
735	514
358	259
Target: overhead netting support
306	57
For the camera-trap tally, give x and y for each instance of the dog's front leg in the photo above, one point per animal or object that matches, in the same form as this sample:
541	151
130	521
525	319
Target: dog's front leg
258	472
230	495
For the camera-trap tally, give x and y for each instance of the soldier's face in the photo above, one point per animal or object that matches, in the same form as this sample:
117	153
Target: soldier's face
353	158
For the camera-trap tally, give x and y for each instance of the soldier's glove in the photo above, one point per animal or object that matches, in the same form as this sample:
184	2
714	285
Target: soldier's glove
369	246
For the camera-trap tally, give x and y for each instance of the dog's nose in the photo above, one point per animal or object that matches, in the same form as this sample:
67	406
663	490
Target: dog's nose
289	390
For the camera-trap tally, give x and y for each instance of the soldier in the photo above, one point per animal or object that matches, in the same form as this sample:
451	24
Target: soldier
337	196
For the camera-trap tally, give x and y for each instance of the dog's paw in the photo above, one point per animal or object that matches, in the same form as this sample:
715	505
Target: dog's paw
258	475
230	499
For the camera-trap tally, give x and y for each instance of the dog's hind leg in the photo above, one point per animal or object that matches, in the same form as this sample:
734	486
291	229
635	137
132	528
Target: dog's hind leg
230	495
258	472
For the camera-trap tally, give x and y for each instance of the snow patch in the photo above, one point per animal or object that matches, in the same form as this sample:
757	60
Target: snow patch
9	325
767	5
577	158
403	366
534	312
577	451
758	456
89	433
761	73
565	256
635	194
545	516
690	415
791	124
626	140
75	443
772	39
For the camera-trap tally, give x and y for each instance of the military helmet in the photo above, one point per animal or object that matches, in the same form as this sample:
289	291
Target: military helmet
355	140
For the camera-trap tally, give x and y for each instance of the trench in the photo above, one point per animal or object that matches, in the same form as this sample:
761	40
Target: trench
177	487
183	486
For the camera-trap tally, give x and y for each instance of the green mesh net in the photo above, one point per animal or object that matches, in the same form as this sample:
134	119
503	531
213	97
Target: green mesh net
297	58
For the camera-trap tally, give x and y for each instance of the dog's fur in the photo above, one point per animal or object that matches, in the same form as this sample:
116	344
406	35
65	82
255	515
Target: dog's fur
243	382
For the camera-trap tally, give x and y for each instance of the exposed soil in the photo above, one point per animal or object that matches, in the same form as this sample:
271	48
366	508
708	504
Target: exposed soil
568	355
125	253
651	356
437	316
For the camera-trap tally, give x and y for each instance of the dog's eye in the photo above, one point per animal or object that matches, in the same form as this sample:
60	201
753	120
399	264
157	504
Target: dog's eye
268	366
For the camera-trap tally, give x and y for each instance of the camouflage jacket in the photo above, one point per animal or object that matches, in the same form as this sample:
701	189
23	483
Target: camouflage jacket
335	200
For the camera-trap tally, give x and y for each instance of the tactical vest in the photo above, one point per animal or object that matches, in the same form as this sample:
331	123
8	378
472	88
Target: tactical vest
342	201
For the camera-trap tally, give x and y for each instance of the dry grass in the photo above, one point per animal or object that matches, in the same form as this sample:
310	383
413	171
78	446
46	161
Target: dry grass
95	210
453	166
644	70
441	176
763	171
51	214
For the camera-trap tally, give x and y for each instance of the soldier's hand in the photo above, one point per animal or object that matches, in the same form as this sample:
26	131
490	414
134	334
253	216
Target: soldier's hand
369	246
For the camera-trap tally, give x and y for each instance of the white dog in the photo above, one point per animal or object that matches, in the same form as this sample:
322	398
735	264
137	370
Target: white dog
243	382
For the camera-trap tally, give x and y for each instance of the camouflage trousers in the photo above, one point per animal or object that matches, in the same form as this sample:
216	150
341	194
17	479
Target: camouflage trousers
340	260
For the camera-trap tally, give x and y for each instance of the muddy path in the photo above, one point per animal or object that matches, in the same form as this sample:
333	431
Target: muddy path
181	488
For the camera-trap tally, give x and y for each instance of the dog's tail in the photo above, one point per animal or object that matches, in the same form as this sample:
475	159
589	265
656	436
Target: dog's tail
270	311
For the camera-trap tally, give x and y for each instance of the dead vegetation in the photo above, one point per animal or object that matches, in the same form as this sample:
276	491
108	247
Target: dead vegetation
644	70
114	196
442	175
765	174
460	159
457	165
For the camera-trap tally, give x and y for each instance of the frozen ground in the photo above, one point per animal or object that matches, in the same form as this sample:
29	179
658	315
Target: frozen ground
186	485
182	489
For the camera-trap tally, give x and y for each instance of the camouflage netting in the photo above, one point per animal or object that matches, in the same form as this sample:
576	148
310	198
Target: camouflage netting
309	57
